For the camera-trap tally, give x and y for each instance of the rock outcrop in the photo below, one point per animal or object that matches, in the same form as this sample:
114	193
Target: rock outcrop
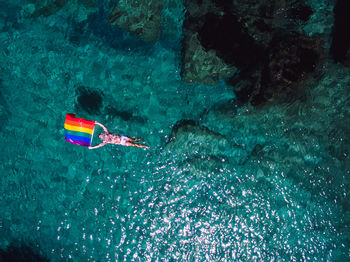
189	140
220	36
340	48
200	65
196	139
46	8
143	18
290	59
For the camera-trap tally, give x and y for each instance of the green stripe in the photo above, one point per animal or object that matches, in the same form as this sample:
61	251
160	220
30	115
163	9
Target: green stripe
76	133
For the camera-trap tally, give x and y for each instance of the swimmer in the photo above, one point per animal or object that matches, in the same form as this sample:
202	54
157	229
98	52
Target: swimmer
108	138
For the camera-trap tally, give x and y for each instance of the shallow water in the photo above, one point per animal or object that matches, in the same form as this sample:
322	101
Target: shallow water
244	184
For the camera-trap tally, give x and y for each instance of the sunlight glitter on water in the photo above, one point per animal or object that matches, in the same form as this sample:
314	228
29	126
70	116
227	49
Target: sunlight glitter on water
236	184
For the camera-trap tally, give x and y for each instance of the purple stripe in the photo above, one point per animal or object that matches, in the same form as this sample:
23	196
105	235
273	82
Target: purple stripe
80	143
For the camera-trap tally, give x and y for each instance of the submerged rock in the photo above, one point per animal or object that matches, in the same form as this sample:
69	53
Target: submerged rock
220	36
290	59
340	48
23	252
187	137
300	11
188	140
46	8
339	141
201	66
142	18
198	64
49	7
225	34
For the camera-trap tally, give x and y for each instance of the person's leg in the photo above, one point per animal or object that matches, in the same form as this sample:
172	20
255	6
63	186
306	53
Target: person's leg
135	145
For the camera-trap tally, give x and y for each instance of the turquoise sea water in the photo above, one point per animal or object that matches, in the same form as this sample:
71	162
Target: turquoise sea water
241	185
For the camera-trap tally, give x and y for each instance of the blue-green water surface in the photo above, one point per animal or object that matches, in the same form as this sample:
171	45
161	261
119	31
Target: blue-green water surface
243	185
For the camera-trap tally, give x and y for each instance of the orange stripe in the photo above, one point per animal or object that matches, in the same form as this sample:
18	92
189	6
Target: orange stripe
76	123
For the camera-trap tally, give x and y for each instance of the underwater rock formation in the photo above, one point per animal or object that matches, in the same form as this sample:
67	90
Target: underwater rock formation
201	66
340	48
46	8
300	11
220	36
190	140
196	139
224	34
198	64
142	18
21	253
49	7
290	59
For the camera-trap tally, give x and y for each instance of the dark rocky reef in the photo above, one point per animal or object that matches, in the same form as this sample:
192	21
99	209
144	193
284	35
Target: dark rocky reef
290	59
21	253
190	126
195	138
340	48
47	8
202	66
224	34
300	11
50	7
143	18
198	64
220	36
189	140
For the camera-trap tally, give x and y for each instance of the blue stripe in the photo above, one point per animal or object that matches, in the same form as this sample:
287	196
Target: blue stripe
78	138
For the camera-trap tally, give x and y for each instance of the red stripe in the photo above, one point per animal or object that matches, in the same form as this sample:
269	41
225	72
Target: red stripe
71	117
75	123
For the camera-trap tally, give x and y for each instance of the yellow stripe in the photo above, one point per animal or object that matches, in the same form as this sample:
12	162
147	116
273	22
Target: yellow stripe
79	129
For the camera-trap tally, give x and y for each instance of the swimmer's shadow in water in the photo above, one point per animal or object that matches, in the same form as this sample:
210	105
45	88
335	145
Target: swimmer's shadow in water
89	100
112	112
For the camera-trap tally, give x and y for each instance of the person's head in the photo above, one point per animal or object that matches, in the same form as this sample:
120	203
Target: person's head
102	136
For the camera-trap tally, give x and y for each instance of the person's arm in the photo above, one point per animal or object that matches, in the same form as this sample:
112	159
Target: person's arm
100	145
104	128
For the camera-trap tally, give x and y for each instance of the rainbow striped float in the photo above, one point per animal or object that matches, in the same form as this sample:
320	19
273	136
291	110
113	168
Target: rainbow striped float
78	131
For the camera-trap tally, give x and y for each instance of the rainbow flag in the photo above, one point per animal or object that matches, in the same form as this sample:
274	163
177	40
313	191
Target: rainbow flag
78	131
